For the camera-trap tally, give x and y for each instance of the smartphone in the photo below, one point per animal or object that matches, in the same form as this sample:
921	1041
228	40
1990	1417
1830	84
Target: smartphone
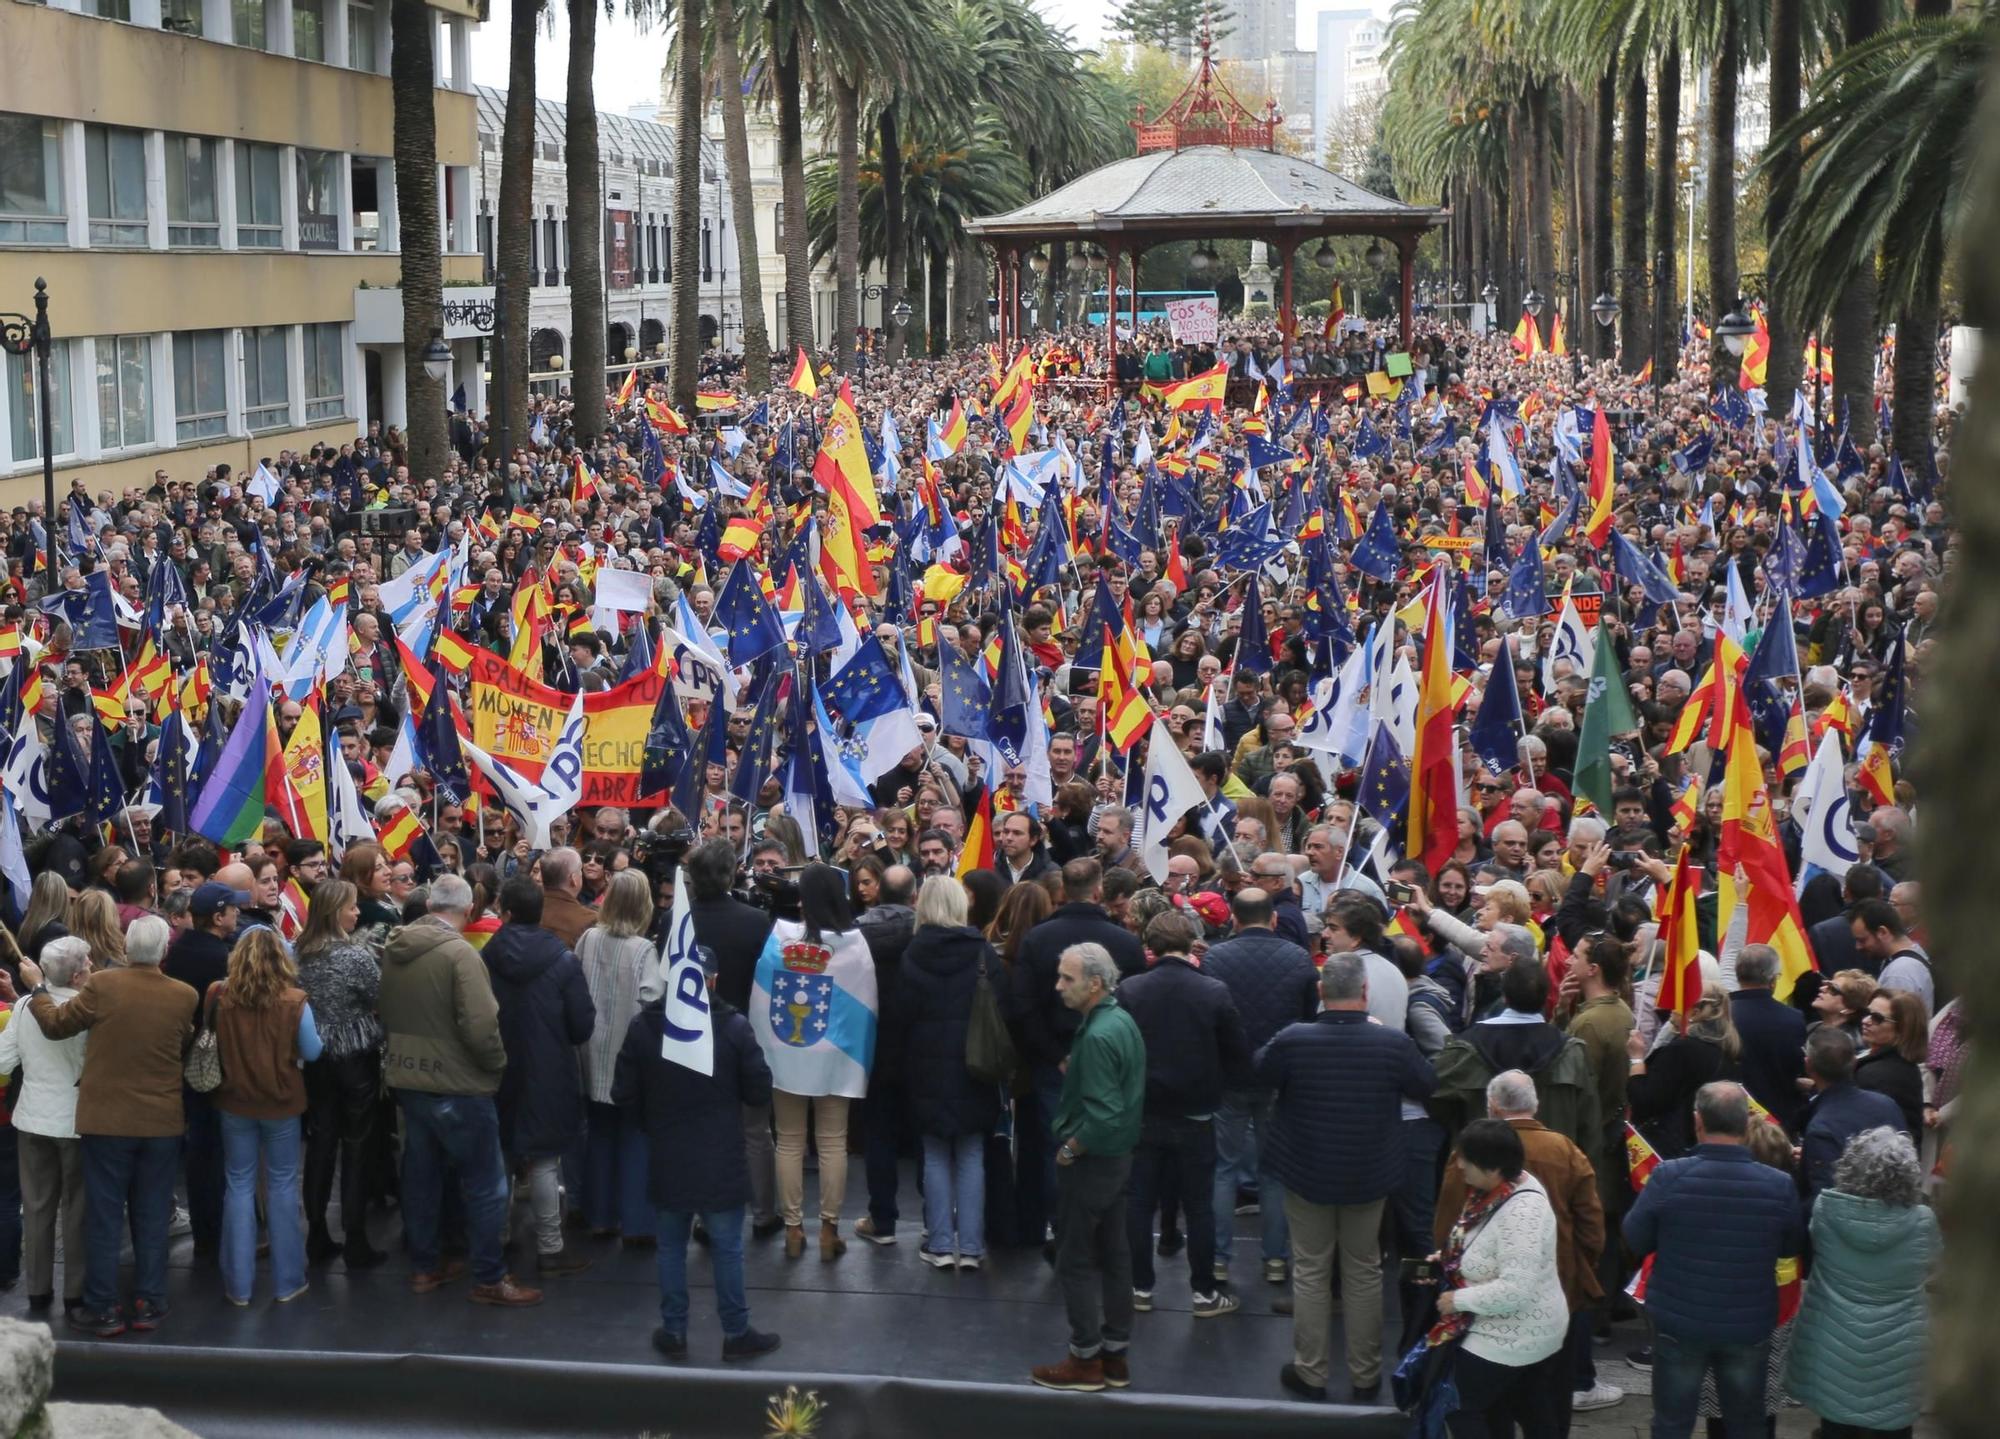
1627	858
1420	1271
1398	893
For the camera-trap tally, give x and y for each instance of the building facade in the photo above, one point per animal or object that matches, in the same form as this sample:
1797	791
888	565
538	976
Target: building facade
636	156
208	187
1350	67
1255	29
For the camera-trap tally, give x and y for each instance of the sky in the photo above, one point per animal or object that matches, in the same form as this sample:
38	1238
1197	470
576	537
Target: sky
629	58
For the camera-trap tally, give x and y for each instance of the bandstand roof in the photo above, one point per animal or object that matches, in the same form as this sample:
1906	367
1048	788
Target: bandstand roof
1204	190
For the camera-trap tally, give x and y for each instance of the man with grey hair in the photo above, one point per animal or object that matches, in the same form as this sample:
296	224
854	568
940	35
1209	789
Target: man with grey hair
1096	1128
1339	1082
1772	1034
51	1156
1720	1222
564	914
443	1058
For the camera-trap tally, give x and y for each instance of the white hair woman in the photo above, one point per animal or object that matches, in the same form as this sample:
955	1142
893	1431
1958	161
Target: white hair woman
617	956
45	1123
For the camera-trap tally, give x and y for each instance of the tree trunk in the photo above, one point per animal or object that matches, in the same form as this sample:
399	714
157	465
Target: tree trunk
1582	176
896	243
1722	194
1050	281
1604	151
742	206
1541	215
412	76
1781	380
1854	324
1666	205
588	340
1958	771
939	308
1916	370
1635	325
788	80
686	338
514	246
846	220
974	276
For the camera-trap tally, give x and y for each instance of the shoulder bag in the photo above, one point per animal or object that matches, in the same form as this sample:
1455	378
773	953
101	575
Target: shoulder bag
989	1048
202	1067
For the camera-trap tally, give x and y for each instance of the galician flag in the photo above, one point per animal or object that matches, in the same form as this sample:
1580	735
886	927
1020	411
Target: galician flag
813	1005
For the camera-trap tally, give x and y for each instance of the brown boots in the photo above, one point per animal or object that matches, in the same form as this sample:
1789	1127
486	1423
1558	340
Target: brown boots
831	1245
795	1240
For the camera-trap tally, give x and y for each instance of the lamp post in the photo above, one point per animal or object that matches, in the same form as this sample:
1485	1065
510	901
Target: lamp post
20	335
496	412
1646	281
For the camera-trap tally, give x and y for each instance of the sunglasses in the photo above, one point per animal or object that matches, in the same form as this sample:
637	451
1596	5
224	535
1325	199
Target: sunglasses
1871	1017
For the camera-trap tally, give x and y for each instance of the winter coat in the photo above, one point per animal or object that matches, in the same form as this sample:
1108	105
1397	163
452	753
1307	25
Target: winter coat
887	928
1885	1071
1773	1036
925	1023
1558	1064
1194	1037
441	1024
545	1013
735	932
1720	1222
1859	1350
693	1122
1271	979
1336	1127
1833	1117
1042	1023
1662	1098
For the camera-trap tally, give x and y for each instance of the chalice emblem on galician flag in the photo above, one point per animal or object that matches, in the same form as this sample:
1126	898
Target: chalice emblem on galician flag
802	994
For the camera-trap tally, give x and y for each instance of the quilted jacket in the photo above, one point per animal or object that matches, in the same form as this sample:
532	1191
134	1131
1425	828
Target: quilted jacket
1336	1133
1720	1222
1271	979
1858	1351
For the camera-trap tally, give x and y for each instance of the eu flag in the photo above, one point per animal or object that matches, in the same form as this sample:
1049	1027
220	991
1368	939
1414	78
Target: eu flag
437	742
1253	640
867	686
1527	589
667	742
1380	554
754	627
693	780
966	698
753	759
1636	569
1496	730
1384	792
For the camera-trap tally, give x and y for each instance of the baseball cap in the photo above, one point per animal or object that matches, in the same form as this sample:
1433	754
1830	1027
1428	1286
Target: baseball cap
210	897
924	721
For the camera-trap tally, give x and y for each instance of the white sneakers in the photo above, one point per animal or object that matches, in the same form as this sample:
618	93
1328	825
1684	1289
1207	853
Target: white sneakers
1599	1396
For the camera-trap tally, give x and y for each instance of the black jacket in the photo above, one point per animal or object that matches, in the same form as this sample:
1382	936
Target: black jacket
1039	865
1194	1037
1887	1072
925	1022
1773	1035
545	1013
1043	1027
1271	979
1832	941
887	928
693	1122
736	932
1662	1098
196	957
1337	1127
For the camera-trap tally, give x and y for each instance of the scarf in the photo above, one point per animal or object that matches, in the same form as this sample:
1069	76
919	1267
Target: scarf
1472	1218
1947	1051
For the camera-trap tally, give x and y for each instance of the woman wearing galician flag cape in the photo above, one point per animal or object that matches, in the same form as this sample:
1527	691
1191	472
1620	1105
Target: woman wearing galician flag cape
813	1006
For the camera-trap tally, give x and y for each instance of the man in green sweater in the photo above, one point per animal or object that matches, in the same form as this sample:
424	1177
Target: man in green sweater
1096	1129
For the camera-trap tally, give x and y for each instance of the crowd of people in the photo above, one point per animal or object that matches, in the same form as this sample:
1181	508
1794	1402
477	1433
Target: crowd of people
1107	1020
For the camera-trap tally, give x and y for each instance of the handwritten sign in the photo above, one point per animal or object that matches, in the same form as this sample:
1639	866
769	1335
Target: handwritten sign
1194	321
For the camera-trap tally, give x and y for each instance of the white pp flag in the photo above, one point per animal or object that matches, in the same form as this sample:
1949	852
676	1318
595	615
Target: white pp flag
1825	823
1171	791
1571	642
687	1029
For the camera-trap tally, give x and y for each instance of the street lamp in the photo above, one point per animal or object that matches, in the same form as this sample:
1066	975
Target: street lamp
1324	256
900	314
437	357
1735	328
1038	262
1490	294
1078	261
1533	302
1376	256
22	336
1605	308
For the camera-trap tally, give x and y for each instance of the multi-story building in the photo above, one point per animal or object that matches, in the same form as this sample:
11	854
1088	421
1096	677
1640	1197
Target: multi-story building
635	160
208	188
1252	30
1287	76
1350	66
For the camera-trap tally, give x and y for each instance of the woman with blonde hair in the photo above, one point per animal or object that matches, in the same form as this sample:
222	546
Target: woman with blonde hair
93	918
265	1033
340	978
47	916
618	960
1663	1084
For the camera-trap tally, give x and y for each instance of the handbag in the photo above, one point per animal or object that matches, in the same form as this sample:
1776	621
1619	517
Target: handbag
989	1048
201	1069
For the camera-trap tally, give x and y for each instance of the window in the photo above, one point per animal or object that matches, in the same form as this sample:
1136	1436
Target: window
778	222
192	219
24	413
551	249
115	166
361	48
319	200
248	22
260	206
326	373
124	391
707	268
201	385
31	189
183	17
111	9
534	253
309	29
486	238
267	397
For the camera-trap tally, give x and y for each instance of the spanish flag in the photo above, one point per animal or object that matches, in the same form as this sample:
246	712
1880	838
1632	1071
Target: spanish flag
305	770
802	378
1125	711
740	537
1602	487
1199	392
1433	826
1527	340
524	520
400	834
1336	311
1756	364
582	483
1680	980
1019	374
978	851
666	419
841	471
714	400
452	650
953	433
1558	337
625	389
1646	373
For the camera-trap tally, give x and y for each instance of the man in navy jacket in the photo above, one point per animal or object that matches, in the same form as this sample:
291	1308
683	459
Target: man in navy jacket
1838	1110
1337	1146
1773	1035
1719	1222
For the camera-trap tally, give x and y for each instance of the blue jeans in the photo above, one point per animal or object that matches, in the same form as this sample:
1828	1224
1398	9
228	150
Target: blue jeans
118	1171
725	1253
955	1194
1185	1149
1678	1365
1239	1164
881	1149
615	1172
460	1132
276	1143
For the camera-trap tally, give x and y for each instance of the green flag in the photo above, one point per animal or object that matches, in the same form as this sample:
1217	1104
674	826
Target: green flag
1607	711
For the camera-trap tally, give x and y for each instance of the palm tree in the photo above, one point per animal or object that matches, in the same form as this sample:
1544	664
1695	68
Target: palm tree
412	77
727	42
785	44
1781	170
586	226
515	222
1888	134
686	254
1853	318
